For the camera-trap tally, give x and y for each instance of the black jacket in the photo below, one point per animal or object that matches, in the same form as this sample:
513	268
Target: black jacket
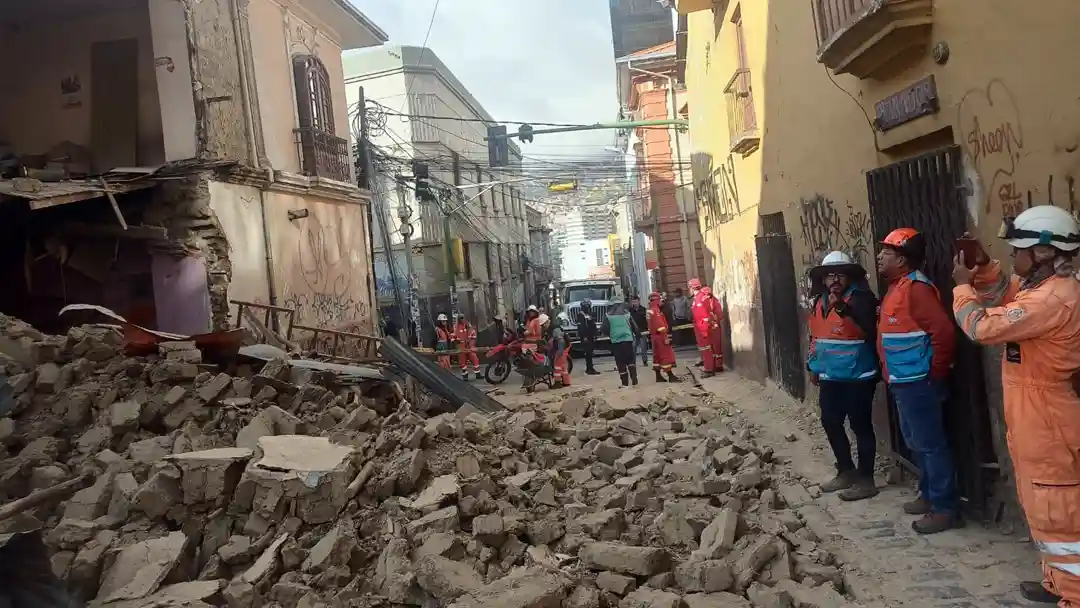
586	327
639	316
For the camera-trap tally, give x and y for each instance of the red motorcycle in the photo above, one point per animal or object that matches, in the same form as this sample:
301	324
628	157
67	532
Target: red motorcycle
502	359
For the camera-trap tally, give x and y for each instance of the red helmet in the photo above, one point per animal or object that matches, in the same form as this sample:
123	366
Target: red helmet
906	240
694	284
654	296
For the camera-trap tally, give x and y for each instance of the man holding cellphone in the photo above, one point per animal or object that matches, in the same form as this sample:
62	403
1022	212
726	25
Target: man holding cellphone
1035	314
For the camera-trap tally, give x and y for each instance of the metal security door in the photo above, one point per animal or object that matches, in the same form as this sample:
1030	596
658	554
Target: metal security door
780	312
923	193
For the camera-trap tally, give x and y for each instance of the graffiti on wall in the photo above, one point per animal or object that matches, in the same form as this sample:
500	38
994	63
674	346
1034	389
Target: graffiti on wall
716	189
993	137
823	228
739	285
332	288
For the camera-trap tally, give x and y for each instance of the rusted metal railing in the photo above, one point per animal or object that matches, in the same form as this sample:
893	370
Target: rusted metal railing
323	154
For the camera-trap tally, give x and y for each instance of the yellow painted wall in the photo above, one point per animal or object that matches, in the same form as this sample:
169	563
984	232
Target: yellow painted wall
1009	94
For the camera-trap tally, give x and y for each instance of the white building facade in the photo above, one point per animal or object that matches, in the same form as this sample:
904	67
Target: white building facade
428	116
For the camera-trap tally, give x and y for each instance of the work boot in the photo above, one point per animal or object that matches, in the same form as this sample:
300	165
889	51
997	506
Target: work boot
592	372
932	523
671	377
1035	592
660	377
633	375
862	489
699	364
919	506
556	384
708	374
465	376
842	481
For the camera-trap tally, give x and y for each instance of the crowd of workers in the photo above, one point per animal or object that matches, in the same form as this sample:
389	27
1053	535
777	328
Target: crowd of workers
908	339
633	331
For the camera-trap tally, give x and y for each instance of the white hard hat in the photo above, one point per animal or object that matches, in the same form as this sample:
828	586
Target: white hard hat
1043	225
440	318
837	258
531	308
543	319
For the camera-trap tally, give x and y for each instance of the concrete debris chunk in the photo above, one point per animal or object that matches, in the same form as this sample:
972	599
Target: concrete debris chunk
624	559
445	579
140	568
525	588
211	475
310	475
647	597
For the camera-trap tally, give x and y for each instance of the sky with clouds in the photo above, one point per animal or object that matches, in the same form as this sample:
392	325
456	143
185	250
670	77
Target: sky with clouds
532	60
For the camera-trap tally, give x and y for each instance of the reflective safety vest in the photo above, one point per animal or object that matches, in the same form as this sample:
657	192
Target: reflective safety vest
906	347
839	349
619	328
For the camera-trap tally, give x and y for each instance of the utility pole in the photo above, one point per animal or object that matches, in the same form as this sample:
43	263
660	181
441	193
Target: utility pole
405	214
451	266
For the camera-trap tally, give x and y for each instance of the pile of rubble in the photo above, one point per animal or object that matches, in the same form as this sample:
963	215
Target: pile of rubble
256	489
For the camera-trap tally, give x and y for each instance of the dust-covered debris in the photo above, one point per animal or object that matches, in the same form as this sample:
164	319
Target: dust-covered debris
248	486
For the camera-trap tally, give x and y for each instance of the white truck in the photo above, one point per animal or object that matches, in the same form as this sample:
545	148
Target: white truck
600	292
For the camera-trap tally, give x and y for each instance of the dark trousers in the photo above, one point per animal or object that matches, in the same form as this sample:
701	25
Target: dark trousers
624	361
920	405
588	345
854	402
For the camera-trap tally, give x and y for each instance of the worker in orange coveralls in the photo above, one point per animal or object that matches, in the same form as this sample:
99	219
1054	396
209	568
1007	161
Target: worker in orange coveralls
660	332
534	333
559	350
716	328
707	316
443	337
465	335
702	323
1036	316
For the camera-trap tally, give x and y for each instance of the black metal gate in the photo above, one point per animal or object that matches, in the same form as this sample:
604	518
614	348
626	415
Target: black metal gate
780	312
923	193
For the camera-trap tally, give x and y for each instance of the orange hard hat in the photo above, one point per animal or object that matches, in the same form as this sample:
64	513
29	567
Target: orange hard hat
899	238
907	241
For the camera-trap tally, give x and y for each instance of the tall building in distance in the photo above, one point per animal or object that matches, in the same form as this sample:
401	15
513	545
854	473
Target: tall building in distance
639	24
583	241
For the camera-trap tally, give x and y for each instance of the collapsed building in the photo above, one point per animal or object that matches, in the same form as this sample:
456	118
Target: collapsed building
196	482
164	157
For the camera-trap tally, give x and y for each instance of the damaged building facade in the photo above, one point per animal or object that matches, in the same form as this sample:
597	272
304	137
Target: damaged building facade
165	157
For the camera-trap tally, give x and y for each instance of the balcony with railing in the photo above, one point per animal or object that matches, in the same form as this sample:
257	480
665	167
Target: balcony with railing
871	38
742	121
324	155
